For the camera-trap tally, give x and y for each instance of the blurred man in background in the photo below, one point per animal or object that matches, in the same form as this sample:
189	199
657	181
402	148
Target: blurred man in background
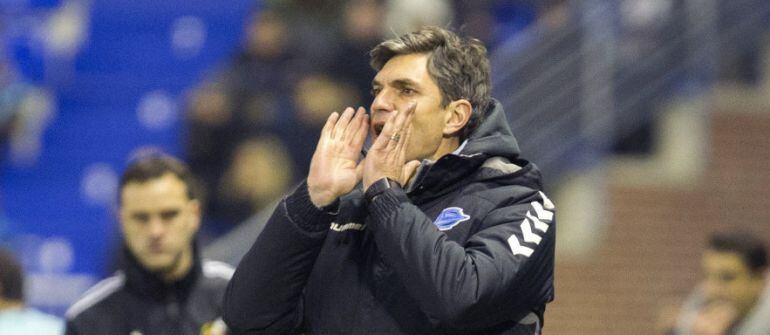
163	287
734	297
15	318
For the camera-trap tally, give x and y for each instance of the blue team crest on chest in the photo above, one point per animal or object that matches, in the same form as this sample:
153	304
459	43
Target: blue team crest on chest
449	218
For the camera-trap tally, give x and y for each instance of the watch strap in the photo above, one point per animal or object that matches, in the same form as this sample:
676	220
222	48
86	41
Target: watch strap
378	187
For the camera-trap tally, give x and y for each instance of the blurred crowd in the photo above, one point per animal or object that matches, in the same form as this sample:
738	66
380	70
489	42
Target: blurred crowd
253	123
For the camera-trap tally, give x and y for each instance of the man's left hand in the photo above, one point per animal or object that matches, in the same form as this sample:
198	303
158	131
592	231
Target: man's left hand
387	156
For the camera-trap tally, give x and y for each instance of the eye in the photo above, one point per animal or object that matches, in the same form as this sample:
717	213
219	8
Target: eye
141	217
727	277
169	214
375	91
407	91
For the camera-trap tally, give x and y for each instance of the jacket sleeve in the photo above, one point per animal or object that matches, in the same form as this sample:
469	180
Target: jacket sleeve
70	328
502	273
263	297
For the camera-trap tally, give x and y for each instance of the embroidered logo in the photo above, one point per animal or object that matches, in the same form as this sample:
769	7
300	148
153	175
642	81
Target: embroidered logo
449	218
348	226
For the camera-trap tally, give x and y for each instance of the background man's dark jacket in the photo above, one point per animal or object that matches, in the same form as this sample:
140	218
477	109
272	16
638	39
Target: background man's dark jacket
136	300
468	249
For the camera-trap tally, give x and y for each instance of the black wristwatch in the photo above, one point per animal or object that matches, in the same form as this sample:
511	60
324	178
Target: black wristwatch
379	186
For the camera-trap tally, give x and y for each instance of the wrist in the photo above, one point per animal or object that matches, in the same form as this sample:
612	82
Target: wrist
380	186
304	213
320	199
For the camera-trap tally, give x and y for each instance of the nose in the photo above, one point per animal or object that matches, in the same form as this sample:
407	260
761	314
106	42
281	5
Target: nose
156	227
382	102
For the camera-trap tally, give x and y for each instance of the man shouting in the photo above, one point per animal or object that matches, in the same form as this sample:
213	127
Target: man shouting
440	228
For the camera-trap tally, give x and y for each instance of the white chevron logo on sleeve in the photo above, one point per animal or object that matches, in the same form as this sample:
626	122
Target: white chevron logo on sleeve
517	248
548	203
529	236
542	213
539	225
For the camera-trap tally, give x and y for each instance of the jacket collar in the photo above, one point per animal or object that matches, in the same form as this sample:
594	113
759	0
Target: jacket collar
492	138
144	283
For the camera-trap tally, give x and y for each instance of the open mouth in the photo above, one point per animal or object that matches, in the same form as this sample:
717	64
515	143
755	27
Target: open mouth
377	127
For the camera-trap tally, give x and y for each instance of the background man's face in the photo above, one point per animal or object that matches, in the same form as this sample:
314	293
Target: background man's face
403	81
159	221
728	279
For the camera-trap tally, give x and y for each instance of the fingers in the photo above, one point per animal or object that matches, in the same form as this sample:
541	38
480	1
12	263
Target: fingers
326	132
392	131
407	134
411	108
395	134
400	124
330	122
382	139
359	136
342	123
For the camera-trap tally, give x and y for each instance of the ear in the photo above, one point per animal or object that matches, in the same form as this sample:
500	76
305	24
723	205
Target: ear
457	116
195	213
120	216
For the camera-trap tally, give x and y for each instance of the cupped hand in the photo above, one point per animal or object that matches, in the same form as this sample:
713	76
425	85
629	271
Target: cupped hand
335	169
387	155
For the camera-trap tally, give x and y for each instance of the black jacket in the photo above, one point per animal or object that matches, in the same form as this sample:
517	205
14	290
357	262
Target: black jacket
137	300
468	249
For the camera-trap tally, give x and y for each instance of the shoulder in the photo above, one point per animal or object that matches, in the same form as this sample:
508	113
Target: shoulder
501	182
216	270
97	294
214	279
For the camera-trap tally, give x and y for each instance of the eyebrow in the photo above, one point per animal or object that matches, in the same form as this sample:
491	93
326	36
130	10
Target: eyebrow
398	83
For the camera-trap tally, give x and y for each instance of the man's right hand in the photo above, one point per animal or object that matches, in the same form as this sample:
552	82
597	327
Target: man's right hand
335	169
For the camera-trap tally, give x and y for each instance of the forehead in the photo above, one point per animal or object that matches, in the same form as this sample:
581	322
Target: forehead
409	67
723	261
157	192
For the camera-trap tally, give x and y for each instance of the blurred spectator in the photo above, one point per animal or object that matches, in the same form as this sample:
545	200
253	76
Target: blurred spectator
251	97
496	21
734	297
741	24
477	20
362	30
403	16
315	27
15	317
542	76
163	287
260	172
650	49
250	126
25	112
317	95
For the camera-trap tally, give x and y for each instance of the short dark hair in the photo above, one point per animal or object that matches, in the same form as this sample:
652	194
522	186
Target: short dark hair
157	165
748	246
11	277
459	66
